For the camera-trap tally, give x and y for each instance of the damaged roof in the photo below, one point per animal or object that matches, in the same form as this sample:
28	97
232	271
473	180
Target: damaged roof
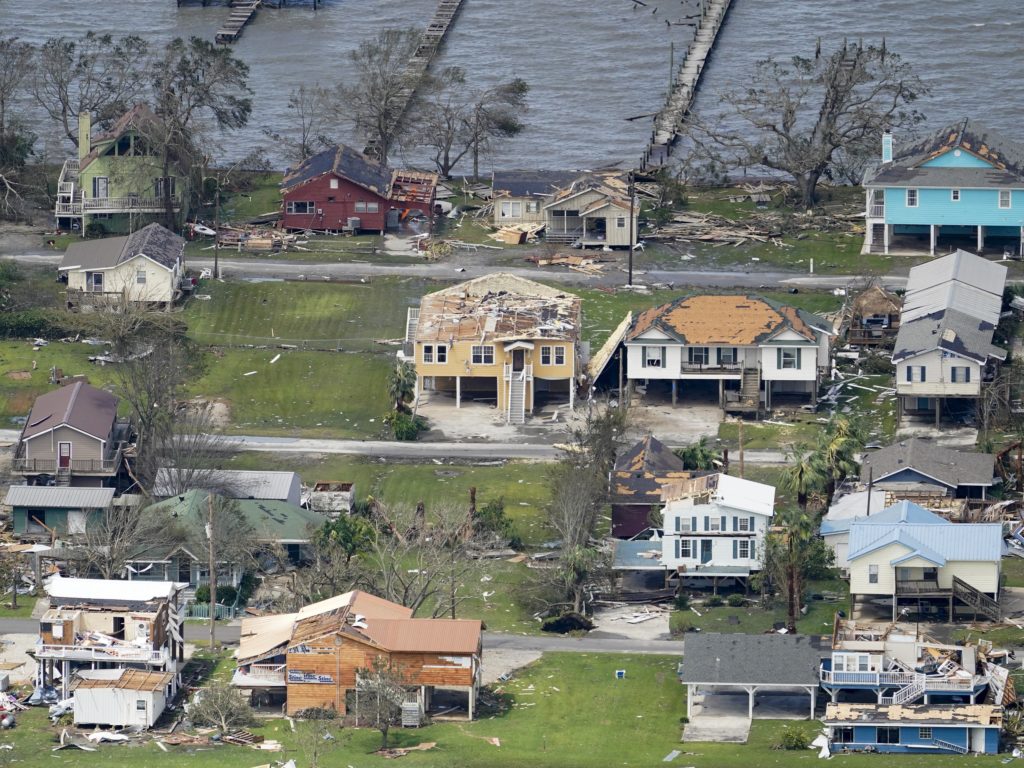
949	331
640	472
100	141
948	466
152	241
729	319
1005	158
531	183
496	308
125	679
81	406
876	300
918	714
366	172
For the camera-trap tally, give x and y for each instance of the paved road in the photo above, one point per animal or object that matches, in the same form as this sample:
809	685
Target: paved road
594	643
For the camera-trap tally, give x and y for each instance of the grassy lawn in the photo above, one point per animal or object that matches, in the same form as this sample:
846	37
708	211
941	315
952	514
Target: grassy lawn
760	436
26	603
1007	636
1013	571
263	196
752	619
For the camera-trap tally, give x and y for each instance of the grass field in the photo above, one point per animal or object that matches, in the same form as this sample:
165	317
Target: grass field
757	435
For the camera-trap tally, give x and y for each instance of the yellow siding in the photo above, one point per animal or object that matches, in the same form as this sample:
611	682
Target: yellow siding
886	573
983	576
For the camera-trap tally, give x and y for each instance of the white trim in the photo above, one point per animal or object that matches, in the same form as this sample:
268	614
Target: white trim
65	424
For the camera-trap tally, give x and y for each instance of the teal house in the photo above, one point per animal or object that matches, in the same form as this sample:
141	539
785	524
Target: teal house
961	187
42	512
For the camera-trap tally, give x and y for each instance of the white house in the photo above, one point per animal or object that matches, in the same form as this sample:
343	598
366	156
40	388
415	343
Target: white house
144	267
747	350
717	531
121	698
908	553
944	352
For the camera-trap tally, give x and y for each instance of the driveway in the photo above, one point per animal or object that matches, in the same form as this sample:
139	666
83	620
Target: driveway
723	716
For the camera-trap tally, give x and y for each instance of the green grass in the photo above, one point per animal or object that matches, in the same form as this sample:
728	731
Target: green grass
1013	572
335	394
263	196
753	619
758	436
26	603
522	485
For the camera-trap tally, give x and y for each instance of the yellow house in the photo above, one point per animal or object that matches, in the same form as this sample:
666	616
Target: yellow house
498	338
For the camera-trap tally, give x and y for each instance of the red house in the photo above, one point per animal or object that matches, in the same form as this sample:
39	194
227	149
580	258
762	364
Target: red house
340	190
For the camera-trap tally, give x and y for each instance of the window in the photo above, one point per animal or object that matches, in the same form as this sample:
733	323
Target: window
140	277
961	374
140	705
743	550
727	355
334	183
483	355
887	736
364	207
620	222
697	355
559	355
925	734
532	207
916	373
843	735
301	206
511	209
789	358
911	198
164	185
872	574
743	524
682	525
685	548
545	355
373	207
428	353
442	353
652	356
1004	198
714	524
360	206
954	195
930	574
863	664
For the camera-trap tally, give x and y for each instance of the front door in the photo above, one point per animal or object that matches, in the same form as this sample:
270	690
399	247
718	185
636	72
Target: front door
518	359
96	282
705	550
100	187
118	628
185	570
64	455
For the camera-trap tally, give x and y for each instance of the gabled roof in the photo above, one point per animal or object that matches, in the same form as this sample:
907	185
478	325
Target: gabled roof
59	497
135	118
729	319
236	483
270	520
345	162
640	472
960	267
948	466
848	507
81	406
951	331
745	495
531	183
1005	157
876	300
737	659
424	635
152	241
926	535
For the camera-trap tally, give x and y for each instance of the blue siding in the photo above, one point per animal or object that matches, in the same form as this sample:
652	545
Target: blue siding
909	475
911	741
935	206
991	741
950	160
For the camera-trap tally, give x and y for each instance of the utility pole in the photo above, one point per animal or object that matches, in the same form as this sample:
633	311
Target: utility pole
741	446
632	230
213	572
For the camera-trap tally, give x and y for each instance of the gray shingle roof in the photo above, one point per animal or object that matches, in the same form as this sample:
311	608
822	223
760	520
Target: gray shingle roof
961	266
78	405
346	162
53	497
946	465
951	331
157	242
751	659
532	183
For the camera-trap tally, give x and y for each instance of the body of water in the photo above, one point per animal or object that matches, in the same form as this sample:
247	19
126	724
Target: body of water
591	64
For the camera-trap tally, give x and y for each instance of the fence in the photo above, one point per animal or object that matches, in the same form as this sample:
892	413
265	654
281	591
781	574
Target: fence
202	611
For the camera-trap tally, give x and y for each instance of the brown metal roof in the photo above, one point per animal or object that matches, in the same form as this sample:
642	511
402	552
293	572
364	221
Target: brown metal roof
425	635
129	679
77	405
721	319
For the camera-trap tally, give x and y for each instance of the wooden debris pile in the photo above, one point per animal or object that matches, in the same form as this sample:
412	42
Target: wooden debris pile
517	234
589	265
693	226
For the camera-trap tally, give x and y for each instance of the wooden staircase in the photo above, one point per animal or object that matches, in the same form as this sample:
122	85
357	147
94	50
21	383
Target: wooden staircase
517	399
63	477
976	599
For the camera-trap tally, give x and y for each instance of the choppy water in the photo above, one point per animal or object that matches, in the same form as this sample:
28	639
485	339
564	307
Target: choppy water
590	63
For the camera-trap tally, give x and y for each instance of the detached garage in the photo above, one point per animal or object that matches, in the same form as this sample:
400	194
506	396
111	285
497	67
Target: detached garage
120	697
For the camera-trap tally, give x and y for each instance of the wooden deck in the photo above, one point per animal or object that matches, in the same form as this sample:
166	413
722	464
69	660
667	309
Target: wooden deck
669	119
242	12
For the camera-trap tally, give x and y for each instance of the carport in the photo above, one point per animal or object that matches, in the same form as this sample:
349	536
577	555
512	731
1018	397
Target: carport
719	663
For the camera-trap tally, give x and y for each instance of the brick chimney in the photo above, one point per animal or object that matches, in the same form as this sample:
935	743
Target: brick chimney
84	135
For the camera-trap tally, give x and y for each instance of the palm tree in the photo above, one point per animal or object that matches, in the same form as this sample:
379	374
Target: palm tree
842	439
697	455
402	385
786	557
804	474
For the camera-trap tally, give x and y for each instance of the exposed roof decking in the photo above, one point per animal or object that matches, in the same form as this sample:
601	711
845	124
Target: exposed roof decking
127	679
925	714
641	472
365	172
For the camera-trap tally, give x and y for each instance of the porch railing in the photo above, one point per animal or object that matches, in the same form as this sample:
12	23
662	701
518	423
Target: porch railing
876	210
129	203
918	586
711	367
83	466
102	653
931	683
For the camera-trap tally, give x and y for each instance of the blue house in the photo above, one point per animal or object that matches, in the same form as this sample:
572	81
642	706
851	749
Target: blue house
939	729
963	181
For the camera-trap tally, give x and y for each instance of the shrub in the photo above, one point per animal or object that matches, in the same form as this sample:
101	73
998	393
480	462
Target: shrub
221	706
736	600
405	426
32	323
682	601
95	229
878	364
567	622
714	601
491	518
203	593
247	586
792	737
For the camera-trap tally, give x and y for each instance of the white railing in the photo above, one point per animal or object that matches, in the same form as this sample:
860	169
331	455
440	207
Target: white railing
526	374
270	672
101	653
876	211
130	203
866	678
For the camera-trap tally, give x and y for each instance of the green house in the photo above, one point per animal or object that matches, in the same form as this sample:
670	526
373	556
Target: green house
40	512
117	180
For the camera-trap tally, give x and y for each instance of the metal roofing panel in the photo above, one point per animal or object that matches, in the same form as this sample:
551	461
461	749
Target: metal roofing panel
962	266
425	635
58	497
237	484
103	589
970	300
974	542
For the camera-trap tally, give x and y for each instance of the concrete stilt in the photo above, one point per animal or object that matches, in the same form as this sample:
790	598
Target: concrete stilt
458	391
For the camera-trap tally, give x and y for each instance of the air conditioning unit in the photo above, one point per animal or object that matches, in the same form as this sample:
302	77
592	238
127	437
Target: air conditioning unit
142	629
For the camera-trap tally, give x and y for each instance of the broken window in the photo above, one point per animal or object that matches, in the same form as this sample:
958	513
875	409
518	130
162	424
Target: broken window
652	357
511	209
545	355
483	355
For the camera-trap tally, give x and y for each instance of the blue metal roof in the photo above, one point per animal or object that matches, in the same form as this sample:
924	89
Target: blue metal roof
901	512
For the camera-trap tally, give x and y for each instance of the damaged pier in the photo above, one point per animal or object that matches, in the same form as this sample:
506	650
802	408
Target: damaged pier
680	98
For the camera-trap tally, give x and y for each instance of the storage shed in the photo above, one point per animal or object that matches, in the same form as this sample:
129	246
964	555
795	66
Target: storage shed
120	697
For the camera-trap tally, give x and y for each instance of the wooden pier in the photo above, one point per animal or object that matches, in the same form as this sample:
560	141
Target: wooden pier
242	12
669	119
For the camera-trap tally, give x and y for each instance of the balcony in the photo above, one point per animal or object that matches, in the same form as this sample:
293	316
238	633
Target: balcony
932	683
260	676
920	587
526	374
129	204
712	369
876	211
108	653
48	466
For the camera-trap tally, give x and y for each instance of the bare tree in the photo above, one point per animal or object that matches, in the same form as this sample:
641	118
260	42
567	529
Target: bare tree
15	140
316	740
14	68
221	706
187	453
97	74
116	537
495	114
797	117
310	109
381	689
376	100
